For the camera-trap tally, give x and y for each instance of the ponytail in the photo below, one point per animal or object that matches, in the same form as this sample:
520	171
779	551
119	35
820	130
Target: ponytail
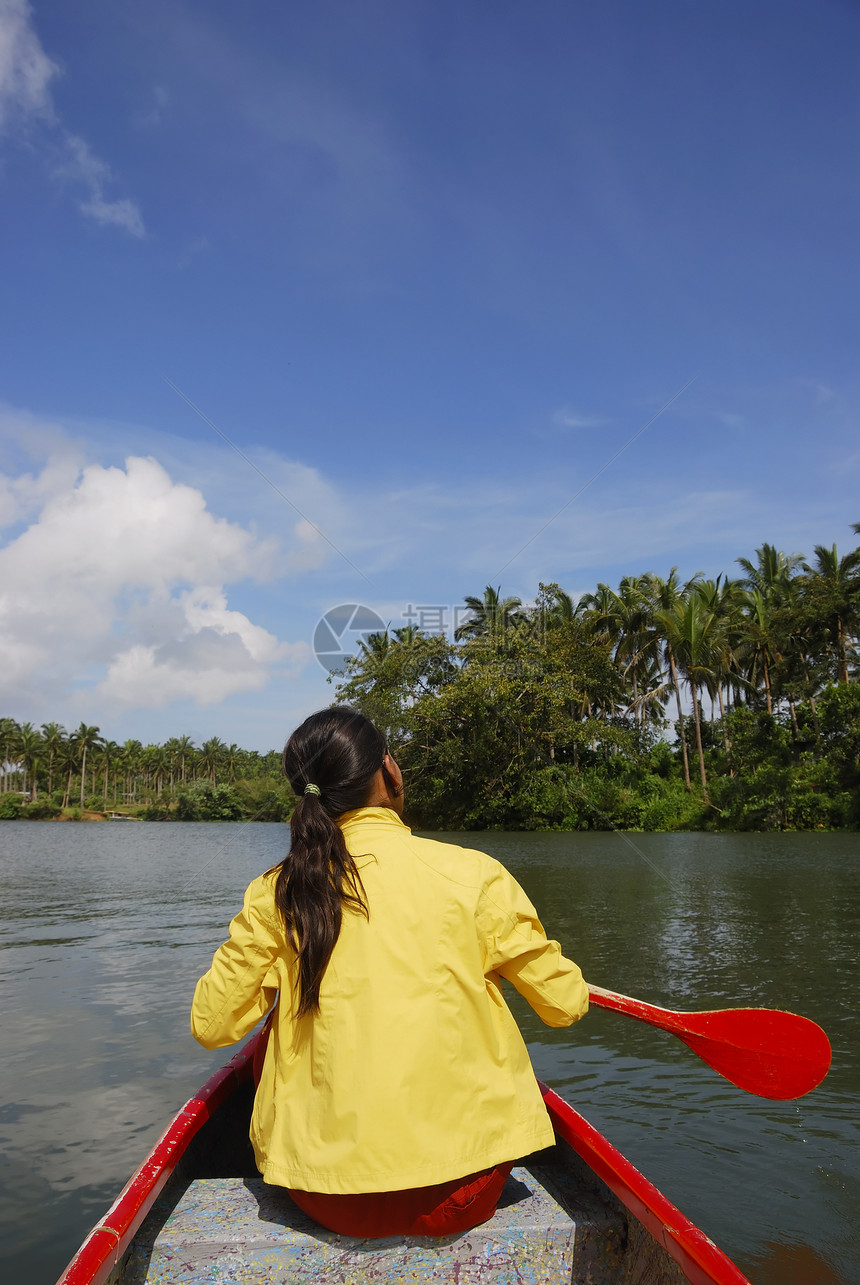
337	753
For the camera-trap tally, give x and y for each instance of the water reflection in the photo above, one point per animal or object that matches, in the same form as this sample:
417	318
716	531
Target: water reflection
792	1263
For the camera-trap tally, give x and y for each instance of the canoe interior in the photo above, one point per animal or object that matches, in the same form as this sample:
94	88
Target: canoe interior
216	1220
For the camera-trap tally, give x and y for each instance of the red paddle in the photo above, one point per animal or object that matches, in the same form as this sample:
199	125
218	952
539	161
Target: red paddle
762	1050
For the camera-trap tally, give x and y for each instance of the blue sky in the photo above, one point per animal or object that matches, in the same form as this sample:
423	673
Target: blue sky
428	266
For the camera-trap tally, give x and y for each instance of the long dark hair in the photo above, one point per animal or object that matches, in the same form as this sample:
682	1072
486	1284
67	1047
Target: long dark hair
339	751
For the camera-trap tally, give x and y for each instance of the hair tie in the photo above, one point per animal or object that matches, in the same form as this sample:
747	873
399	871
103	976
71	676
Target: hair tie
313	789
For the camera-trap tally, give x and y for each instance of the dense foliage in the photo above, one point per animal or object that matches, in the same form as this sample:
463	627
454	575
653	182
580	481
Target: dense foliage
658	705
50	772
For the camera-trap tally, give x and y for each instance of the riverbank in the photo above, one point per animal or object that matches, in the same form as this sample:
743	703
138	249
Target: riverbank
693	818
50	812
494	743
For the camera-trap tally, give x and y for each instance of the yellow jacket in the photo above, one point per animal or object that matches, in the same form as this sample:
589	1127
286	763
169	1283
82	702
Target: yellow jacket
414	1071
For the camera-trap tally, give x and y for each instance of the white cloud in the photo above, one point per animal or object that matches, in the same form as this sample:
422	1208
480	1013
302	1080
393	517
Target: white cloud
205	667
26	73
83	166
121	594
118	586
313	548
22	496
25	69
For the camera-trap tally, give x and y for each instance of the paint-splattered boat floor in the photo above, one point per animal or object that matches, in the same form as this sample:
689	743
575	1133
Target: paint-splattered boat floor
545	1232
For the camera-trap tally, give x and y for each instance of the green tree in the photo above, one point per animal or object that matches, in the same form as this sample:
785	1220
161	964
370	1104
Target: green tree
840	736
130	757
768	582
771	573
183	749
53	736
834	585
665	596
8	738
110	757
203	801
28	749
492	616
693	632
155	762
554	607
67	761
725	598
85	739
625	617
386	680
211	757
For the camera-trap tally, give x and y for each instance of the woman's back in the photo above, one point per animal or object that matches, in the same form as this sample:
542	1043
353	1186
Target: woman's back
413	1070
393	1062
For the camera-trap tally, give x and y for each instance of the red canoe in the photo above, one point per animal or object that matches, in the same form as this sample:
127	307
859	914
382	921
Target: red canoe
197	1211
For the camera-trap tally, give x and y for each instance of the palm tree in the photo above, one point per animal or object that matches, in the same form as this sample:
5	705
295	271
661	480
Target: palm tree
693	632
598	613
232	754
53	736
211	756
8	735
182	748
653	689
85	739
131	755
756	648
28	750
410	636
67	757
769	582
155	763
666	595
725	598
186	750
771	573
170	749
491	616
637	643
373	651
109	757
837	581
555	608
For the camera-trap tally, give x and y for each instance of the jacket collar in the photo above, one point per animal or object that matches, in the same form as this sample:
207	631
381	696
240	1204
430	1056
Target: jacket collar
367	818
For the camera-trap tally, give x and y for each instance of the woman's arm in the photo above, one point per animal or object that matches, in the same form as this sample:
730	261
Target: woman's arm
518	949
231	998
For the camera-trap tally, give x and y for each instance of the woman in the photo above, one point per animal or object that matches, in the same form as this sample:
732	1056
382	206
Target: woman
396	1090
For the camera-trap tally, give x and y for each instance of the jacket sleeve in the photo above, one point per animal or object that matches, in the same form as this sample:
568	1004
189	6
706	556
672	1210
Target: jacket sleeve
517	948
231	998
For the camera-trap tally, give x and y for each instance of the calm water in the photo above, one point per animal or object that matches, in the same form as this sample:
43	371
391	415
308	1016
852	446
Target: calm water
105	928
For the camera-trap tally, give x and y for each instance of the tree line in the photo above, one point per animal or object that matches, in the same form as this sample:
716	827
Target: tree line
659	704
46	771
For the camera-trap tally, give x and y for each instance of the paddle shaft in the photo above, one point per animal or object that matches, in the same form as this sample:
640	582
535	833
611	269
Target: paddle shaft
666	1018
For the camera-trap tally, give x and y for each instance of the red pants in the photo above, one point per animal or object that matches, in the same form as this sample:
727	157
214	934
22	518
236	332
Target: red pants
446	1209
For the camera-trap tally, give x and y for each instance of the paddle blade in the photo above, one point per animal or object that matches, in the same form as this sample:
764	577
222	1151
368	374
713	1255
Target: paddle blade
773	1054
